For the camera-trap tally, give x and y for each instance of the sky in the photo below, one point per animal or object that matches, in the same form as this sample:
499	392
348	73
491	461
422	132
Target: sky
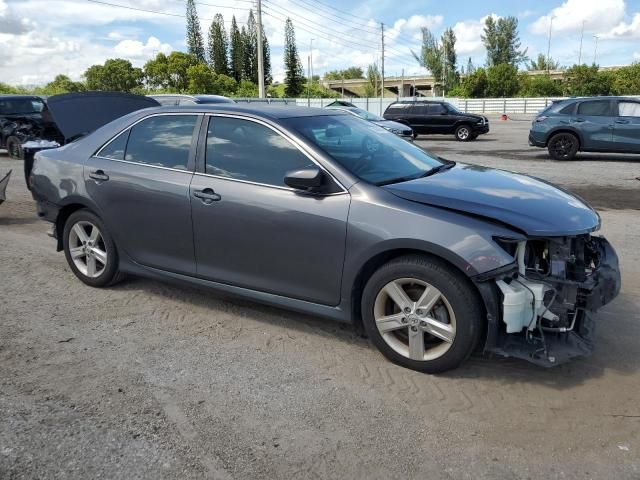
42	38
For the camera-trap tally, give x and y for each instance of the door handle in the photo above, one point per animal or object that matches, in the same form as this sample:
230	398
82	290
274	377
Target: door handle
578	120
207	196
99	176
622	121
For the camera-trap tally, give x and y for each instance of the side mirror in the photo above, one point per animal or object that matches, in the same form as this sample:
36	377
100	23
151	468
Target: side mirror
308	179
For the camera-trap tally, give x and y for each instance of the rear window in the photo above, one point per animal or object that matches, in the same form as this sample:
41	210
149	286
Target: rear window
567	109
597	108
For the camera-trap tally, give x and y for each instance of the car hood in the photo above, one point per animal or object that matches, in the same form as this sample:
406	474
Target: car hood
530	205
76	114
392	124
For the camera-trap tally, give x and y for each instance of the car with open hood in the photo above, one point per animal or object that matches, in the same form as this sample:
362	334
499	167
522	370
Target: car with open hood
433	258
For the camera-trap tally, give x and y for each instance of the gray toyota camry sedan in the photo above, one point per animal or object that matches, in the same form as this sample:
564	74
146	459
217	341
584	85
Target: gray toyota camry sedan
324	213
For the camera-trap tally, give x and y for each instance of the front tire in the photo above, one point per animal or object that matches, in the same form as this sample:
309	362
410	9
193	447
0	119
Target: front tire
463	133
90	250
563	146
421	314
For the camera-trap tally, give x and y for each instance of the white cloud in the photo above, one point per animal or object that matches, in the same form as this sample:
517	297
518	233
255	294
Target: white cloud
626	30
413	26
636	56
136	50
597	15
468	36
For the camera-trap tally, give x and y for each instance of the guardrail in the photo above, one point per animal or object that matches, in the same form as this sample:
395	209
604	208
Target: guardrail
471	105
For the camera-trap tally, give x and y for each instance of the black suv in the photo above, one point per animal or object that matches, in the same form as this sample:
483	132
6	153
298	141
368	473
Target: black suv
437	117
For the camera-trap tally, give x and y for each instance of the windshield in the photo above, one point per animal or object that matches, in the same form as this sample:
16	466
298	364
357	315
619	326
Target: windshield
12	106
371	153
366	115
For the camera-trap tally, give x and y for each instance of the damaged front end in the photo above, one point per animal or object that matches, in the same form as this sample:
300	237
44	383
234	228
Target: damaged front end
540	308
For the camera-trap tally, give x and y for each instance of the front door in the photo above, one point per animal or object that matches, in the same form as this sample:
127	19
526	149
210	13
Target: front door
253	231
626	129
140	182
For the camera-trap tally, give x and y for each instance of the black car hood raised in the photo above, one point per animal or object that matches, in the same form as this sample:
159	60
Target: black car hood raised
80	113
528	204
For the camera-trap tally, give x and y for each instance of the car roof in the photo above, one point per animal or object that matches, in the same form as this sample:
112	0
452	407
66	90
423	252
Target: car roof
21	96
261	110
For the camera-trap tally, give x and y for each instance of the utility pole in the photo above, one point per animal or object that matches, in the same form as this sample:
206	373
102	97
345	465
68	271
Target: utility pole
549	44
580	51
260	52
311	56
595	50
309	81
402	85
382	70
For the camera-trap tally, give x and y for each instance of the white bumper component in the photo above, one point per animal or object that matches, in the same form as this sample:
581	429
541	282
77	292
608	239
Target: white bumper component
523	304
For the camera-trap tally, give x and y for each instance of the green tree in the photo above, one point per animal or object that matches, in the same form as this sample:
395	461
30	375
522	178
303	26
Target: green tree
373	88
250	40
583	80
201	79
294	78
224	85
62	84
236	51
470	67
117	74
542	63
266	59
430	54
502	41
475	84
218	46
156	72
247	89
539	86
626	80
348	74
178	64
450	74
502	80
195	43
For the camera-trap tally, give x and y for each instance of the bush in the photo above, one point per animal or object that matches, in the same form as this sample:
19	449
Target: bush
502	81
539	86
583	80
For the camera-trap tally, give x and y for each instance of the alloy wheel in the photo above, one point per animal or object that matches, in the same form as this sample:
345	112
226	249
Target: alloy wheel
463	133
87	249
562	146
415	319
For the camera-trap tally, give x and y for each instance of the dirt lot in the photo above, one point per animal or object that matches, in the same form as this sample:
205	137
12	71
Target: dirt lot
149	380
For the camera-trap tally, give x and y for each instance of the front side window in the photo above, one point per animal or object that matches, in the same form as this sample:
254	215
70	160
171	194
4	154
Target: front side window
629	109
162	141
246	150
366	150
597	108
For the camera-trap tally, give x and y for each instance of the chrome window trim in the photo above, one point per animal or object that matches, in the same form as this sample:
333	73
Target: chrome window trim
283	135
121	132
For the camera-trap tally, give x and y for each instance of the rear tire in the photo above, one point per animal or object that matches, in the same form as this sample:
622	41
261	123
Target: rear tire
14	148
463	133
90	250
421	313
563	146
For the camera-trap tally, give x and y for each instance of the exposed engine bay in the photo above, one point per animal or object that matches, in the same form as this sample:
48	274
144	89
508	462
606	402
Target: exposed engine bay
545	302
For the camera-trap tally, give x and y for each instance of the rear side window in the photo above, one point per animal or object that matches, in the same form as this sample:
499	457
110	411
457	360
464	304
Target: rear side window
398	108
597	108
115	149
162	141
246	150
567	109
629	109
436	109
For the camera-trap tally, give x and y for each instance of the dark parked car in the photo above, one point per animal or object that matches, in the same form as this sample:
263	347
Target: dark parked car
399	129
426	117
433	258
24	118
175	99
600	124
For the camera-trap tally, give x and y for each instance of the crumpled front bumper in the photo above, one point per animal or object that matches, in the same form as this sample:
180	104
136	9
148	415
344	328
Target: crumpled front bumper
556	347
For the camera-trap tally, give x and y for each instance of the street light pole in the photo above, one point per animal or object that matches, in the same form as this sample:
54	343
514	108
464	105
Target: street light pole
260	52
549	45
595	50
580	51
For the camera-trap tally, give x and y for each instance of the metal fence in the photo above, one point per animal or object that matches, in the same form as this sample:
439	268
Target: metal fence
472	105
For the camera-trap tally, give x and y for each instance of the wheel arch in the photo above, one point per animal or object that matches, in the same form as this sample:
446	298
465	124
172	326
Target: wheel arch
64	213
571	131
375	261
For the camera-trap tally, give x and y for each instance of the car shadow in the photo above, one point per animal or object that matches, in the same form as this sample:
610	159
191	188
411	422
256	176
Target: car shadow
621	354
593	157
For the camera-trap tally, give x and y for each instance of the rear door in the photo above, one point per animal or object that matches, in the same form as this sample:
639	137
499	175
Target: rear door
626	130
594	119
140	182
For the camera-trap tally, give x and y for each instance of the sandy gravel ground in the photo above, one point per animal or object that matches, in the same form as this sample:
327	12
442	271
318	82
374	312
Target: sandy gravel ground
150	380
